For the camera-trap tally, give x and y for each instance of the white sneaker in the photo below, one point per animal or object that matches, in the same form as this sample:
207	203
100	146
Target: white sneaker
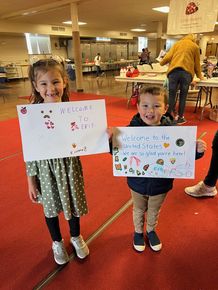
80	246
60	254
200	190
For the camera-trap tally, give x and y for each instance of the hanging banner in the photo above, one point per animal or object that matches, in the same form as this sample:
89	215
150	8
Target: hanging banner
192	16
58	130
161	152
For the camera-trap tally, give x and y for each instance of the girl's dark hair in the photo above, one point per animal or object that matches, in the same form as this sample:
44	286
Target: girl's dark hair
44	65
155	91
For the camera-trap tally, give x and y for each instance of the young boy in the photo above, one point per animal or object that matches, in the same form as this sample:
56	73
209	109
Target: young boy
148	194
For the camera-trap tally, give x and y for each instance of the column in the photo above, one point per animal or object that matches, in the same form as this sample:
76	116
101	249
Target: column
76	47
159	34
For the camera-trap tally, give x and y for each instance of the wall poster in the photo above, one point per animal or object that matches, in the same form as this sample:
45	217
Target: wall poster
187	16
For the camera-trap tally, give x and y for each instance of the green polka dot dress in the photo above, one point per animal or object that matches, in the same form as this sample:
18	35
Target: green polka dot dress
60	186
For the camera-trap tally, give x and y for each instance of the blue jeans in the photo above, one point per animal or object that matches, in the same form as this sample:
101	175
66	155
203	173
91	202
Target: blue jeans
98	70
178	79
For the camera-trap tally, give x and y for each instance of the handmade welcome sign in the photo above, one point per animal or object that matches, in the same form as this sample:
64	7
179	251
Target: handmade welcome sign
57	130
167	152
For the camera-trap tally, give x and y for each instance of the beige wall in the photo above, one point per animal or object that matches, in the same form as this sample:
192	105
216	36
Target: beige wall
8	27
13	49
152	48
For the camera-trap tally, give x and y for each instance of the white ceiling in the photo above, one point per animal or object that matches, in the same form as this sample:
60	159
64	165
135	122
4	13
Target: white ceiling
100	15
110	15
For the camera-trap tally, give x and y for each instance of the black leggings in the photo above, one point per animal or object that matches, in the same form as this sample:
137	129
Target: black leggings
54	228
212	174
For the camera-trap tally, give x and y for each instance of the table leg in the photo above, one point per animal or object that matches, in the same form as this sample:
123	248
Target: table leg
208	92
198	100
133	85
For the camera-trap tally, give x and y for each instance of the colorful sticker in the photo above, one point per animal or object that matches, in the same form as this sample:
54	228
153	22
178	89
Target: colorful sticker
118	166
23	110
180	142
160	161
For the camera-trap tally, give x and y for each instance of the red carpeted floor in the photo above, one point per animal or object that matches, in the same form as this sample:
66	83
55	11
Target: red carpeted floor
10	138
187	225
188	259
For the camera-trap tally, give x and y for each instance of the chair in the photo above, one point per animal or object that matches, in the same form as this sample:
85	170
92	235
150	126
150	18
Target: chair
3	76
141	72
3	79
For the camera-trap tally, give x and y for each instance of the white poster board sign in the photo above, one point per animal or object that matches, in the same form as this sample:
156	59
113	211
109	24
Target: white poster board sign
167	152
57	130
188	16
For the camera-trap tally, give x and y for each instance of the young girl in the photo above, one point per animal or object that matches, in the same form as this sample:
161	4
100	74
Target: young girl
57	183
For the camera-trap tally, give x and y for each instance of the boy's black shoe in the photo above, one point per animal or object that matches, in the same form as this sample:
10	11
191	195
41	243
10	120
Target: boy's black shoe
139	242
154	241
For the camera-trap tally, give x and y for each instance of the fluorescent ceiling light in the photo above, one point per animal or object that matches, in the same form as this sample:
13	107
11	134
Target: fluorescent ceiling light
163	9
138	29
70	22
28	13
216	23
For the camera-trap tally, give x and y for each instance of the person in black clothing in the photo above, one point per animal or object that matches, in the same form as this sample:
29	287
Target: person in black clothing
148	193
145	56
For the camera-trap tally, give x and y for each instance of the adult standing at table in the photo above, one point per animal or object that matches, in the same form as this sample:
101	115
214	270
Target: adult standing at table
145	56
97	62
184	63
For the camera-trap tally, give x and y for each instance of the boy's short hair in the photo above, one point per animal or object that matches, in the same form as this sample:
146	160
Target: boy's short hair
155	91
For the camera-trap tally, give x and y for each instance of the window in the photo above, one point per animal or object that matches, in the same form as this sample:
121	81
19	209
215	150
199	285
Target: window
170	43
103	39
38	44
142	43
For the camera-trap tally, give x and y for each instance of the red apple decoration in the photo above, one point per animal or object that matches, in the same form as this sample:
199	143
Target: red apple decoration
23	110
